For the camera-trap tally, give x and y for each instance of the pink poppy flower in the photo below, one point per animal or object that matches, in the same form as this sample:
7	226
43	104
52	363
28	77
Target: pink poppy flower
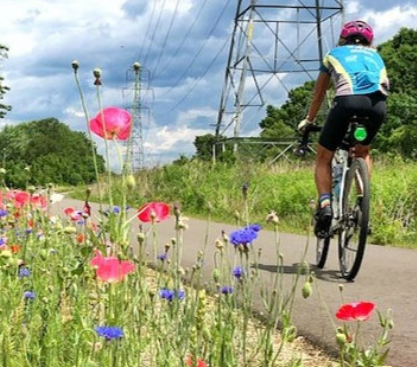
99	259
39	201
21	198
112	122
111	269
155	211
360	311
73	214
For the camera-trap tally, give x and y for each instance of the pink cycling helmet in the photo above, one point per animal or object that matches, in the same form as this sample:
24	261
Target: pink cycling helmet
357	28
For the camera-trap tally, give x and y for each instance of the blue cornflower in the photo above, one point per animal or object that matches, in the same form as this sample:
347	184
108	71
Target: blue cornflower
245	235
3	212
116	210
227	289
24	272
238	272
29	295
169	294
109	332
162	257
255	227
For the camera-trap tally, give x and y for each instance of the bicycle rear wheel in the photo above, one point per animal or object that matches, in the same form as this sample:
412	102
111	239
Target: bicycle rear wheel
322	249
355	212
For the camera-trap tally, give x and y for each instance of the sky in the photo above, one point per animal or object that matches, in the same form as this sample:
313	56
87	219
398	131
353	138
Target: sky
183	47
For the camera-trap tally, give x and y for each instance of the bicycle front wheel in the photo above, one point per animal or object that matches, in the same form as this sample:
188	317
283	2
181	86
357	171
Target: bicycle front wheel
355	219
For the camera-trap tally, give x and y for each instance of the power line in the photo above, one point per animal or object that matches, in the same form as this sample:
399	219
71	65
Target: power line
199	79
186	69
148	29
187	34
154	32
166	37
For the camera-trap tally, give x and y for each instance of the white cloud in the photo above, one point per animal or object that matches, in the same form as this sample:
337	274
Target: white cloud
182	100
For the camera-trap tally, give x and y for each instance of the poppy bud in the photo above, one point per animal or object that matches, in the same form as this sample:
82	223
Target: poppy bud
216	275
219	244
341	339
307	290
141	237
130	182
70	230
6	254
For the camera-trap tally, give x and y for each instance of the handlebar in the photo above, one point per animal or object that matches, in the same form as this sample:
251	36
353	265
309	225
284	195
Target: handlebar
304	140
356	134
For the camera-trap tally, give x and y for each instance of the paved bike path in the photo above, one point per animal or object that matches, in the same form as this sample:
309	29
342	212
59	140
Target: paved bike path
388	278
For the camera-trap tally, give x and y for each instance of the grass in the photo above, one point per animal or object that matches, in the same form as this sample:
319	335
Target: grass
288	188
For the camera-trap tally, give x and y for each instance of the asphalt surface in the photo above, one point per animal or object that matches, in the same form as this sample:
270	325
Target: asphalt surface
388	278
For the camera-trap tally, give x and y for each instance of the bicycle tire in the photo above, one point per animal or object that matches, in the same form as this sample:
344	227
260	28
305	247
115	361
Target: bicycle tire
322	250
354	229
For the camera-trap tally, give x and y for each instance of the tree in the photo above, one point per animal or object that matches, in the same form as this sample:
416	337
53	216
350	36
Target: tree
3	89
281	122
399	132
53	152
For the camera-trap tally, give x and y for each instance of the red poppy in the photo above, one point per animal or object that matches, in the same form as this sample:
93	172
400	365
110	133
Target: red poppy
87	208
111	269
155	211
15	248
200	362
21	198
112	122
360	311
39	200
74	214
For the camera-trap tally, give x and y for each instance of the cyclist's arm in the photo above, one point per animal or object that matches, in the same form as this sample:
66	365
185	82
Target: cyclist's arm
322	83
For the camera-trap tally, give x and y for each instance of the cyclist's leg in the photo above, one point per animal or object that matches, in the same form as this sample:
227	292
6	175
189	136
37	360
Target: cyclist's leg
330	138
323	178
323	170
364	152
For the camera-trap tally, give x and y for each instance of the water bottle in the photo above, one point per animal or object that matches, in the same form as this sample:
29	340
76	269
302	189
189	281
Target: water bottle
337	178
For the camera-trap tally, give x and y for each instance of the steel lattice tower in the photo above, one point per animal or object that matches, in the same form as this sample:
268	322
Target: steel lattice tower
133	94
271	41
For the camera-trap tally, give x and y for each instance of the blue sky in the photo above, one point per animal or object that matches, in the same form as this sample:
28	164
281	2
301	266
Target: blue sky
182	44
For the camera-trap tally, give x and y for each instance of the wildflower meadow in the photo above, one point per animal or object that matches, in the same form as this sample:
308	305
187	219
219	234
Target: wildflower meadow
94	286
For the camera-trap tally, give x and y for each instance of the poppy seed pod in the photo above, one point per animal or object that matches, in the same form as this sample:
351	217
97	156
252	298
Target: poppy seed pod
136	66
97	73
75	65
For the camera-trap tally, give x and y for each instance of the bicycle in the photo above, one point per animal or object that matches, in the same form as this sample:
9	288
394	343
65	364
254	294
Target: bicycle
350	200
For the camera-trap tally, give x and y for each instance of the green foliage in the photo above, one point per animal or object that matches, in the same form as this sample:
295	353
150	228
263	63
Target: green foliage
3	89
399	133
282	122
44	151
287	189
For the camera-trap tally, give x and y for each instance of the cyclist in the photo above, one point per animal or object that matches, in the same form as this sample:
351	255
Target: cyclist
361	86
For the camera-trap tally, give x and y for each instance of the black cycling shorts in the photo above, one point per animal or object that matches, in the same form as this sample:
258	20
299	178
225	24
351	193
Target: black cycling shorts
343	108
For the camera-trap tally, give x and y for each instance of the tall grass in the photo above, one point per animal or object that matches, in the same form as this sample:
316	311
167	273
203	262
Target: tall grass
286	188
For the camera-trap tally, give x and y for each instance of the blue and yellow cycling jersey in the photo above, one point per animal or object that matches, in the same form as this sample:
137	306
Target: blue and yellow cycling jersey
356	70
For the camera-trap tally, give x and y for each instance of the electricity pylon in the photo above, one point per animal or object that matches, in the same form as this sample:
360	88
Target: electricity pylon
271	41
137	79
